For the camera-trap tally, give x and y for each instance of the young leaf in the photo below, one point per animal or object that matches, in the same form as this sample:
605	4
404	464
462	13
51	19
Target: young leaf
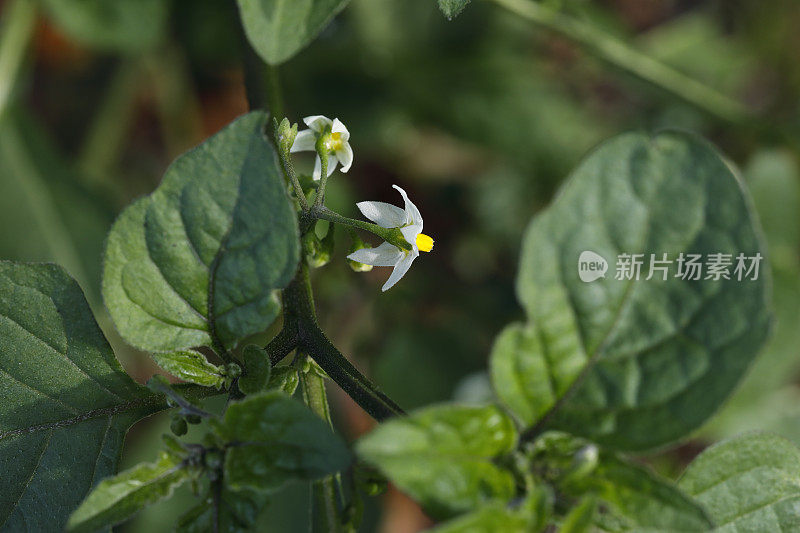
190	366
634	364
274	439
442	456
452	8
120	497
197	263
284	378
278	29
238	512
115	25
634	497
749	483
580	518
66	402
257	370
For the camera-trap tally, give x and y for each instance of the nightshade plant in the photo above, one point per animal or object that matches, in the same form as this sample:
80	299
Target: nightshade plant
222	249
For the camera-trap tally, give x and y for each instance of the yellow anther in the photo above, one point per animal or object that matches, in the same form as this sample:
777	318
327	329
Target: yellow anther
424	243
335	141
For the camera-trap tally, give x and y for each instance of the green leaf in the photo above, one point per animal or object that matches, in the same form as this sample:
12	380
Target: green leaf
636	364
190	366
274	439
580	517
488	519
238	511
120	497
749	483
115	25
442	456
257	370
284	378
452	8
278	29
65	402
634	497
198	262
520	373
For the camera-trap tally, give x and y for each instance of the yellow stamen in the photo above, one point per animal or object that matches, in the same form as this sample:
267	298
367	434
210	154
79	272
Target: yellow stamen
335	141
424	243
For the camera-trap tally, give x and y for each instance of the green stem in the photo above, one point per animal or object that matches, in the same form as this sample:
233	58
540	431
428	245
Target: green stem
274	92
288	170
17	33
105	139
326	493
340	370
623	56
391	235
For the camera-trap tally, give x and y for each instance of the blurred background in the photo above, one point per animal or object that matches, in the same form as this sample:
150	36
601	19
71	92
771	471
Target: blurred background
479	119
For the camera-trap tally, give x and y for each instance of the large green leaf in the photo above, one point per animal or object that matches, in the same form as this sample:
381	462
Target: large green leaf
198	261
443	456
65	402
274	439
278	29
117	25
636	364
750	483
120	497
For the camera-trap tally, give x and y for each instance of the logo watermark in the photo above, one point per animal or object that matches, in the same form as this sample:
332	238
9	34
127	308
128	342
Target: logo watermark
691	267
591	266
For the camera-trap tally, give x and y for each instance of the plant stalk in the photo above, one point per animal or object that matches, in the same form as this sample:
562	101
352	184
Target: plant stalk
611	50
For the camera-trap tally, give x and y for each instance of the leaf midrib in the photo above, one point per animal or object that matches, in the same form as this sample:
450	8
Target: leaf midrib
149	401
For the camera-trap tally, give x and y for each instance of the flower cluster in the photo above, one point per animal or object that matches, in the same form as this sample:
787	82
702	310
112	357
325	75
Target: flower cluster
332	137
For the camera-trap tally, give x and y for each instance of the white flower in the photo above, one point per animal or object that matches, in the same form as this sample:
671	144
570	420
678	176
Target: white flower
409	220
338	144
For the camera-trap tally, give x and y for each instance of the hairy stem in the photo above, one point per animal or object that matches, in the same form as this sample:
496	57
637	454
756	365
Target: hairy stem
355	384
390	235
326	493
289	172
613	51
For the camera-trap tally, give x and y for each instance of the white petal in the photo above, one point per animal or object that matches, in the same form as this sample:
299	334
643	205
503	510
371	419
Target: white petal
332	162
304	142
383	256
410	235
383	214
399	271
345	156
317	169
338	127
317	122
414	216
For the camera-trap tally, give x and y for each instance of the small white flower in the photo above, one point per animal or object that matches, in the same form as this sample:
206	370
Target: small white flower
338	143
409	220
